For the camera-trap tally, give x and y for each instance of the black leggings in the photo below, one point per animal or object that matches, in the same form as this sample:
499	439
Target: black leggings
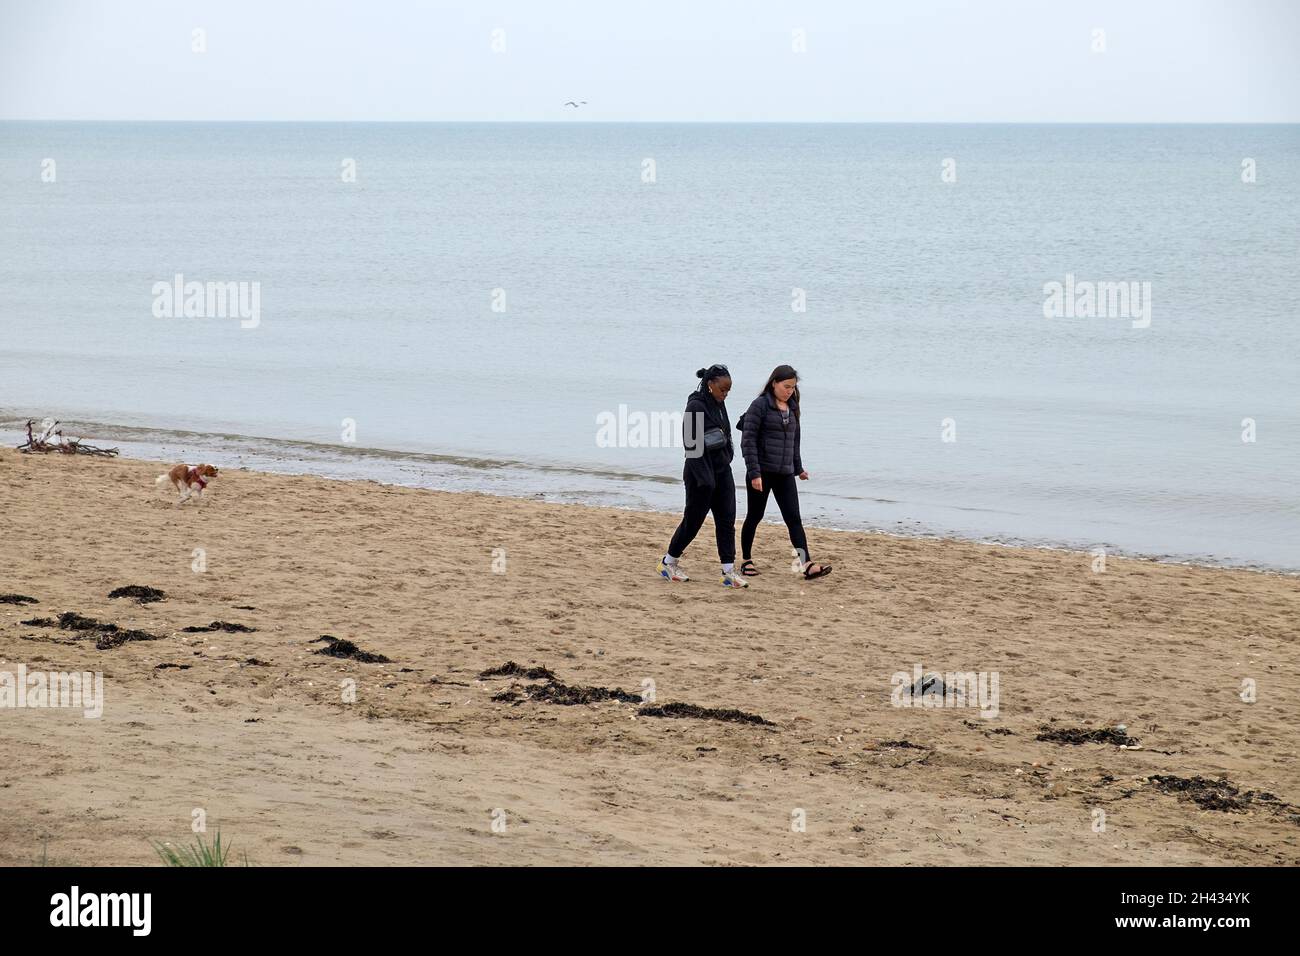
700	500
786	489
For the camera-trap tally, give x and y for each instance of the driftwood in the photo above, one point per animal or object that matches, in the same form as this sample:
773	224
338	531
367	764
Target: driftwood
52	439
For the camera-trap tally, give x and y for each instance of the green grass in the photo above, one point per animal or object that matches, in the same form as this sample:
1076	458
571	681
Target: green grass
201	854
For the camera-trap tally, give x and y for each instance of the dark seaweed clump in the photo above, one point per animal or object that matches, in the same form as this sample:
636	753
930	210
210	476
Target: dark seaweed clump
555	691
1082	735
107	640
558	693
221	626
511	669
703	713
141	592
72	621
108	636
1213	794
338	647
17	599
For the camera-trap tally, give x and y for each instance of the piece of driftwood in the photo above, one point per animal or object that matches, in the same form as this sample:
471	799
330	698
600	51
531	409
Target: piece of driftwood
52	439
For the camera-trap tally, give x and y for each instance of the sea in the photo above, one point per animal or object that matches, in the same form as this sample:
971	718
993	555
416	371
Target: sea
1067	336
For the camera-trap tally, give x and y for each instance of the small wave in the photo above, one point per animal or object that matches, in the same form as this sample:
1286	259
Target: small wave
576	484
321	450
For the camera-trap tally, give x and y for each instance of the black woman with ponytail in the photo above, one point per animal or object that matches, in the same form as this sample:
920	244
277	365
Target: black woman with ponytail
710	487
770	444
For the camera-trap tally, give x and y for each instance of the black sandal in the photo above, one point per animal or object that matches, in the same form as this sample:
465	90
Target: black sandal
822	569
748	570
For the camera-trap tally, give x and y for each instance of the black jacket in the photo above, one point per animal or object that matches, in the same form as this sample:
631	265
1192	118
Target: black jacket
702	468
767	444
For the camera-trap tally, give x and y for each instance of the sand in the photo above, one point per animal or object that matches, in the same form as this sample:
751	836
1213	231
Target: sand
426	768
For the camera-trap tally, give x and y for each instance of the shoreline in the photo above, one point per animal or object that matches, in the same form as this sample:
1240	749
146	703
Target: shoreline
469	473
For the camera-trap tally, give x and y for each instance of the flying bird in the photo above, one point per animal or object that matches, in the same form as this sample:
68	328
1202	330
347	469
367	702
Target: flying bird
576	105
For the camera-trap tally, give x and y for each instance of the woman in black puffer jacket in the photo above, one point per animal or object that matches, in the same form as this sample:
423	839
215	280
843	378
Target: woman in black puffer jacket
706	434
770	444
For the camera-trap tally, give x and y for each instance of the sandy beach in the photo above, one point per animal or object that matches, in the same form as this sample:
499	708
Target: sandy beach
427	767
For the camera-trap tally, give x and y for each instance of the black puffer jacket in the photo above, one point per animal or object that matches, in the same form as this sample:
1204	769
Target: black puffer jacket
703	469
767	444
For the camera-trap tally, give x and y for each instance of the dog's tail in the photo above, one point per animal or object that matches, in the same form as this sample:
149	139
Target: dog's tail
159	480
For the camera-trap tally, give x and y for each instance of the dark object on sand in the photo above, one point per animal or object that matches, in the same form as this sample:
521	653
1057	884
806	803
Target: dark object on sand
511	669
220	626
17	599
927	685
983	726
111	636
72	621
342	648
898	745
142	593
555	691
1082	735
703	713
52	439
165	666
552	690
108	636
447	683
1213	794
107	640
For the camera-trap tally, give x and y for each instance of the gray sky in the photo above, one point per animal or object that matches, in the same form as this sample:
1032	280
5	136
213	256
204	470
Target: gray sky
866	60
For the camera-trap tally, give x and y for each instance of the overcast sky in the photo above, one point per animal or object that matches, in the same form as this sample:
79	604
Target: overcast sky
865	60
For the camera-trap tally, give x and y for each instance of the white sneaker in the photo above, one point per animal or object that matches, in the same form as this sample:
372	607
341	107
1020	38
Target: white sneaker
672	572
734	581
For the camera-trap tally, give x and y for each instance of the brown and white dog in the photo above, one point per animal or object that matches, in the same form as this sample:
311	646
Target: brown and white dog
188	481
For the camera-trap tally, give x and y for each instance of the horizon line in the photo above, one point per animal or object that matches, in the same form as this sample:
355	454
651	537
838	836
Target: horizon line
710	122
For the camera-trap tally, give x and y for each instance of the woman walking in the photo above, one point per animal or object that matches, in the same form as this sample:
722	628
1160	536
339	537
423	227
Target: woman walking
707	474
770	444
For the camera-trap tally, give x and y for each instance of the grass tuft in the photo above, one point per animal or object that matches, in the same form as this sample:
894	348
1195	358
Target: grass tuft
201	854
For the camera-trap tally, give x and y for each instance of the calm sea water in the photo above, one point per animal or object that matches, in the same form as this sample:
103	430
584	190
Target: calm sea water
924	303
